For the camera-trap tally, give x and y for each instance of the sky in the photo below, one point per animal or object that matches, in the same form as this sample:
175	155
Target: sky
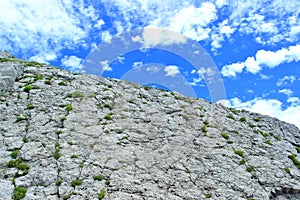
243	53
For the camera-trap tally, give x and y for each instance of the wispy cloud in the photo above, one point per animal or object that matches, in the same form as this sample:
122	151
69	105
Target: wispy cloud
34	27
262	59
286	80
271	107
171	70
72	63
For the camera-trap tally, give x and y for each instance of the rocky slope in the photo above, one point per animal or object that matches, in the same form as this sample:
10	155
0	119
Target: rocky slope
68	136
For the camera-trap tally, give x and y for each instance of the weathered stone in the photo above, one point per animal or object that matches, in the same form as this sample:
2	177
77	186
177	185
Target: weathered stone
77	135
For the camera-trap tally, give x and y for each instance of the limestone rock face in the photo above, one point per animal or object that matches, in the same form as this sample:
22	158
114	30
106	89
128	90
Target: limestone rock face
68	136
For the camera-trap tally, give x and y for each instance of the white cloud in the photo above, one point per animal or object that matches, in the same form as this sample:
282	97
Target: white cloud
171	70
286	80
35	27
287	92
232	69
72	62
137	64
106	36
153	69
271	107
105	65
262	58
153	37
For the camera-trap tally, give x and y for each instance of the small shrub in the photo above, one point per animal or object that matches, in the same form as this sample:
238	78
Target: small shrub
27	88
47	82
264	134
98	178
250	169
277	137
239	152
25	139
14	154
294	159
30	106
287	170
62	83
257	119
203	129
74	156
75	94
107	182
243	161
268	142
207	195
206	123
23	167
14	163
56	155
243	119
19	193
76	182
108	117
69	107
298	149
225	135
101	194
58	182
230	116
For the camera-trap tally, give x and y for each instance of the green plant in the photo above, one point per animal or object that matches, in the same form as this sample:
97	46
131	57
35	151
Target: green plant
239	152
225	135
203	129
27	88
19	193
62	83
69	107
257	119
22	117
58	182
25	139
268	142
38	77
22	166
243	119
76	182
56	155
47	82
287	170
243	161
294	159
206	123
98	178
75	94
250	169
277	137
297	149
101	194
14	163
230	116
264	134
14	154
207	195
186	117
74	156
108	117
30	106
107	182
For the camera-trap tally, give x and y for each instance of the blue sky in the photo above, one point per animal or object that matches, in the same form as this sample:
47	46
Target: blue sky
254	45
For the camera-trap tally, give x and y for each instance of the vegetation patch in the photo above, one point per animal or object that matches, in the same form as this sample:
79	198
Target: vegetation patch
76	182
239	152
99	178
101	194
294	159
19	193
75	94
243	119
225	135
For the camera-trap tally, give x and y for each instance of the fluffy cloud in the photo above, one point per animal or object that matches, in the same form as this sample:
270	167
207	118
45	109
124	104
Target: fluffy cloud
271	107
34	27
286	80
262	58
72	62
171	70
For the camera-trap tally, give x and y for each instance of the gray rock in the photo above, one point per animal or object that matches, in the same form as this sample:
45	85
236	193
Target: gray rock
77	136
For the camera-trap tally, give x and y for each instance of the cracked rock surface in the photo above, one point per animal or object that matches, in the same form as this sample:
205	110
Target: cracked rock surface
68	136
